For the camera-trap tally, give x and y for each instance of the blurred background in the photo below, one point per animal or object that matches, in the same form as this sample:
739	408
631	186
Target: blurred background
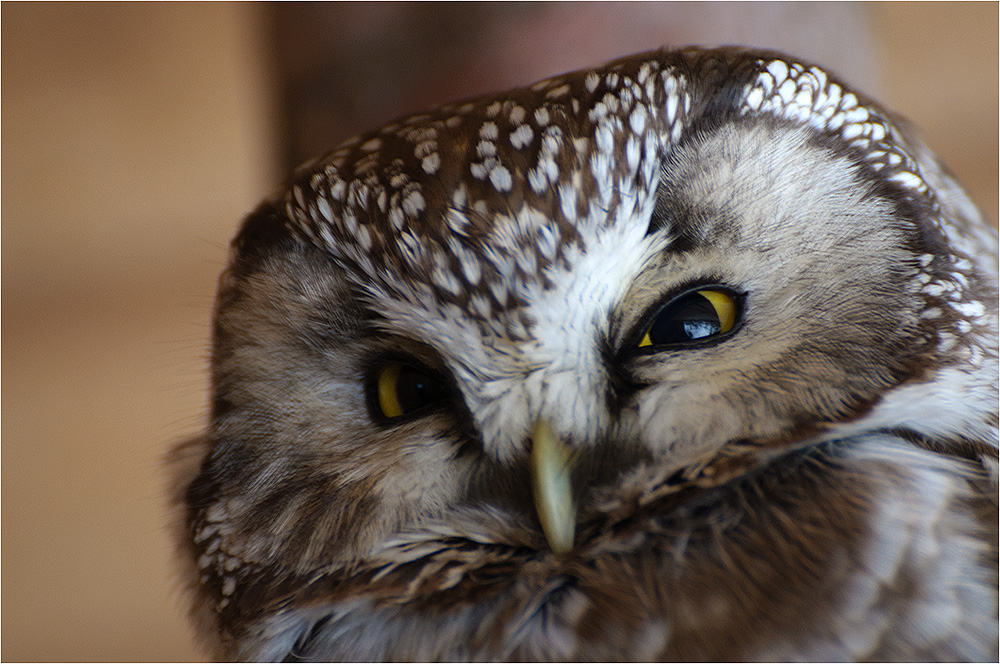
136	136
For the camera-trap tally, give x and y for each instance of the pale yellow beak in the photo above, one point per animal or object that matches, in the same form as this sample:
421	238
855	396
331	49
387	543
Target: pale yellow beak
550	483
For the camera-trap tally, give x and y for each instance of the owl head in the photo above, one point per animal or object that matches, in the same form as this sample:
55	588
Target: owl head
535	327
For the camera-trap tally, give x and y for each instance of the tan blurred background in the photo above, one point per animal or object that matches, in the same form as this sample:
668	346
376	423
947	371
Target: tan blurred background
135	136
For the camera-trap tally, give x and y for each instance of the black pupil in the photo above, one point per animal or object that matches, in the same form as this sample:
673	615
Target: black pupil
415	390
690	318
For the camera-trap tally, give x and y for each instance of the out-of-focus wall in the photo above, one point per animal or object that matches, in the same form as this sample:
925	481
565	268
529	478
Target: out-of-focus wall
135	136
942	70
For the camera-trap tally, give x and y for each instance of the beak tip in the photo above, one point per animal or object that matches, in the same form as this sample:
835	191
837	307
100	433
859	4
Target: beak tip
551	485
561	542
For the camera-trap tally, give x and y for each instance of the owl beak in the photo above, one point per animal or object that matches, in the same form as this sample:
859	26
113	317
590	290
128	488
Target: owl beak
552	488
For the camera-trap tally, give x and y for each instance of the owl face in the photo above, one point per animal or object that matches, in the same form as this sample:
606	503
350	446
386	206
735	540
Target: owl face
523	322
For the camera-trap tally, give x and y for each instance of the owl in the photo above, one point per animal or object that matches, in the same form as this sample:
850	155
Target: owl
690	356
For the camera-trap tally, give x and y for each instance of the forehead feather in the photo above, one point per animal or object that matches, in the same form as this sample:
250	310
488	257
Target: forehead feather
468	204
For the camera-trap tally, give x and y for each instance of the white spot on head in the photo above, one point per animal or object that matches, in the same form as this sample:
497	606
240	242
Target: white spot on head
414	203
456	220
557	92
930	314
934	289
431	163
551	168
601	169
521	136
605	139
567	200
858	114
424	148
216	513
804	97
778	70
489	131
364	237
671	106
960	264
478	171
970	309
442	275
325	210
396	217
537	180
500	178
753	99
632	153
907	180
597	112
466	260
486	149
637	119
787	92
460	196
852	131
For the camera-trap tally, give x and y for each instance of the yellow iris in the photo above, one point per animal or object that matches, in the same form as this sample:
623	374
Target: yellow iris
388	390
723	304
725	308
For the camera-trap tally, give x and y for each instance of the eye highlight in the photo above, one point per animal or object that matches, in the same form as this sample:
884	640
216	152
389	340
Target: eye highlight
692	317
399	390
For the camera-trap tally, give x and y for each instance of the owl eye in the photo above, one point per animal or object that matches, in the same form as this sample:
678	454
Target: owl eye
692	317
400	389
